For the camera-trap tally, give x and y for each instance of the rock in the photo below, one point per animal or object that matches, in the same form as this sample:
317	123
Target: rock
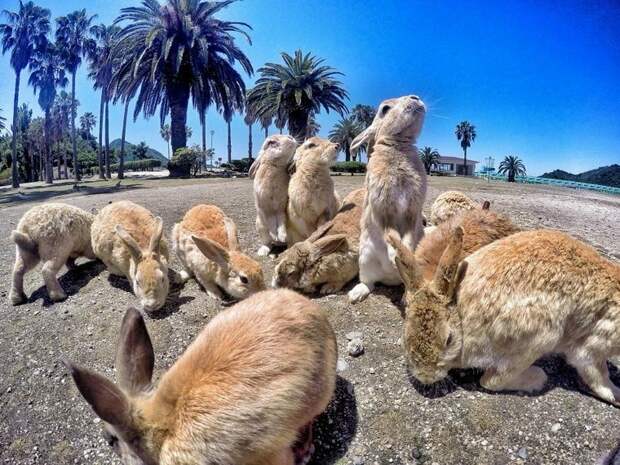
555	428
341	365
522	453
358	461
355	347
353	335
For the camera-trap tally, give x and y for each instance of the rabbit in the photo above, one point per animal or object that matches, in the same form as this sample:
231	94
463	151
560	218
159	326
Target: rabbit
52	233
329	257
271	178
206	243
245	392
396	187
480	226
128	240
510	303
311	198
448	204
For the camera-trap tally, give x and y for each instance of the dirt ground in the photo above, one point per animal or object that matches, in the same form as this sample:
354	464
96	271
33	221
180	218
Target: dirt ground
380	415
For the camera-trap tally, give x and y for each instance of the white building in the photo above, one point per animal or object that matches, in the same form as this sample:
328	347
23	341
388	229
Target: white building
454	165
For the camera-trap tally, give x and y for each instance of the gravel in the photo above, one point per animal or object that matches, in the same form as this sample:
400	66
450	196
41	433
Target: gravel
380	414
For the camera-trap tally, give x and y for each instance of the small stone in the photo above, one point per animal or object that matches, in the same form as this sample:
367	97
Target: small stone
555	428
358	461
355	348
522	453
416	453
353	335
341	365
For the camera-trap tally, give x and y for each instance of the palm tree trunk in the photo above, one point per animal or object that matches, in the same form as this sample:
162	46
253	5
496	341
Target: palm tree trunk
76	167
121	160
48	149
266	132
297	125
14	171
203	128
100	151
65	161
465	160
229	146
250	142
178	96
347	153
108	173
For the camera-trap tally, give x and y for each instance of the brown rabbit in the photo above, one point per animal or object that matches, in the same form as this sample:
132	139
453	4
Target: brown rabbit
206	243
311	198
271	178
329	257
245	392
449	204
510	303
396	187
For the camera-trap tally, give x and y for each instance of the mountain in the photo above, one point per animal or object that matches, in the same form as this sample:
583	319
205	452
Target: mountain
605	175
152	153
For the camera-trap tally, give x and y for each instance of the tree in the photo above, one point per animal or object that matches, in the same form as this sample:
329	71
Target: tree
297	89
184	51
141	151
2	120
249	119
87	123
47	74
313	127
74	42
363	115
466	133
513	166
164	132
265	121
24	32
343	134
429	157
60	122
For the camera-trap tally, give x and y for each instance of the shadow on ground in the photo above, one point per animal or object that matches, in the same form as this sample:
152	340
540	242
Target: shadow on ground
560	375
72	281
40	194
335	429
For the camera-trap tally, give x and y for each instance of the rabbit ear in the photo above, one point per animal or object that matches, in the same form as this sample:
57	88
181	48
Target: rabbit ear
129	242
157	233
134	357
445	274
254	168
367	136
212	250
328	244
405	261
321	232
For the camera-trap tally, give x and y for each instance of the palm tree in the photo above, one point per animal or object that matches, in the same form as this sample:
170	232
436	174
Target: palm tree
343	134
363	115
2	120
102	62
228	112
184	51
87	123
296	89
164	132
141	151
265	121
429	157
313	127
466	133
24	120
47	73
61	112
24	31
72	37
249	119
513	166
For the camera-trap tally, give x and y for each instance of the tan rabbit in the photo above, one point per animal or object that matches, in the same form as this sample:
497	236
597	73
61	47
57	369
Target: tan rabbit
245	392
510	303
480	226
329	257
396	187
448	204
271	178
128	239
311	198
206	243
52	233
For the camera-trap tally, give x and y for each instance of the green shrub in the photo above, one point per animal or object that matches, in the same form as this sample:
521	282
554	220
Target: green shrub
349	167
241	166
183	161
138	165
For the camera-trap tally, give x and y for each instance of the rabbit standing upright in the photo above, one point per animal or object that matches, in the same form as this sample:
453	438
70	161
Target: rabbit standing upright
245	392
510	303
396	187
271	178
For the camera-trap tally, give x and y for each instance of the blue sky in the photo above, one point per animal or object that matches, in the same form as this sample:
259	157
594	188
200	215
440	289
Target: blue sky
539	79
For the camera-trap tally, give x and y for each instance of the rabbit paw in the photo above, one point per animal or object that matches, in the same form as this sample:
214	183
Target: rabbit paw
263	251
331	288
57	296
359	293
17	298
304	447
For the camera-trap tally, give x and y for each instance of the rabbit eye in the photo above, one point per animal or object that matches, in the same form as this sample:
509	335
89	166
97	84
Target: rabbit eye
449	341
243	279
311	145
385	109
271	143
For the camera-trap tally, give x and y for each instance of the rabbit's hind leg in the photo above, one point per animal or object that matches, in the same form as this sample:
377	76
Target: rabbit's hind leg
304	447
596	375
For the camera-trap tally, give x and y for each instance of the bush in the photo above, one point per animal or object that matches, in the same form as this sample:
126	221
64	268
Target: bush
241	166
349	167
138	165
183	161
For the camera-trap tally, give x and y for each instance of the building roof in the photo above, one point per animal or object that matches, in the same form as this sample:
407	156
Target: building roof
448	159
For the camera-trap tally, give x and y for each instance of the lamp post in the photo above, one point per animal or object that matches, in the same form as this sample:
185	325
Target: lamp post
211	157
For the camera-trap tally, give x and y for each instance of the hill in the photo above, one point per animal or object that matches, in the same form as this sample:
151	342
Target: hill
152	153
605	175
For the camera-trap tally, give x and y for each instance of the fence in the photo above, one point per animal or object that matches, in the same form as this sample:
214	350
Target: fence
554	182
